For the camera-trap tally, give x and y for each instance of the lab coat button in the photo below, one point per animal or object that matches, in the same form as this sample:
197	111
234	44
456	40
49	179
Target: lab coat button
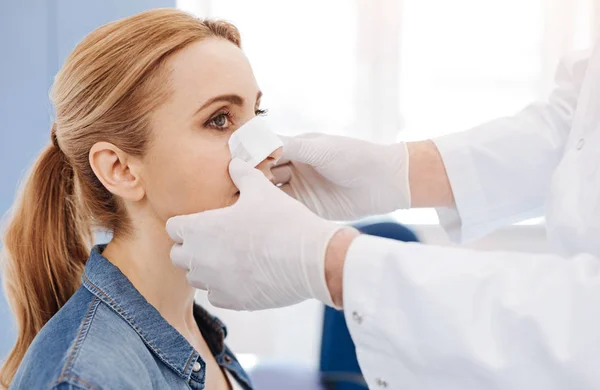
580	144
381	383
196	367
357	317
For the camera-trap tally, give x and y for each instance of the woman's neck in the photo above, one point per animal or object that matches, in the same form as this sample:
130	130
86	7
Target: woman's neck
144	258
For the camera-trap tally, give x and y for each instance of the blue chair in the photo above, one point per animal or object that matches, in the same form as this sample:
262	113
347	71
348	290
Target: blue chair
339	365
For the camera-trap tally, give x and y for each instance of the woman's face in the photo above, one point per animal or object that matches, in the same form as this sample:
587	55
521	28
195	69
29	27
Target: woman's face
185	169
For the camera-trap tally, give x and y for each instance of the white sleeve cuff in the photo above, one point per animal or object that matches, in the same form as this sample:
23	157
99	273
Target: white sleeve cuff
464	222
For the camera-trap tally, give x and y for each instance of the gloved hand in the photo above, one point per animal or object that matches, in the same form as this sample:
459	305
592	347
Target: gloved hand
344	179
265	251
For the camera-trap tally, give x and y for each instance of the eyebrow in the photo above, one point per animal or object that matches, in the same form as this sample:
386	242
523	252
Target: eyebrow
231	98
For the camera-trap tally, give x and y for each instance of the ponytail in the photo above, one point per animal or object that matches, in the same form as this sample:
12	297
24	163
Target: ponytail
106	91
46	244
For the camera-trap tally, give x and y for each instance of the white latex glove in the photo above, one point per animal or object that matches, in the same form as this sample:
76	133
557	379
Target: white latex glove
265	251
342	178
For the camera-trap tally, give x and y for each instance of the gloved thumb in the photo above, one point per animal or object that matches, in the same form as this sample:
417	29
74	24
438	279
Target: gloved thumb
304	149
221	300
245	176
176	227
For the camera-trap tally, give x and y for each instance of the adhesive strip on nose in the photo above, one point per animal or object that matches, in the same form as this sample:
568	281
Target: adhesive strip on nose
254	141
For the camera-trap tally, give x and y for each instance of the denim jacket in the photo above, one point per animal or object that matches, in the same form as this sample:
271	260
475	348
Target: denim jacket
107	336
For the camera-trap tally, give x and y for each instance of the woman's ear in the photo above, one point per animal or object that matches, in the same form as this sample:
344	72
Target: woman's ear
117	171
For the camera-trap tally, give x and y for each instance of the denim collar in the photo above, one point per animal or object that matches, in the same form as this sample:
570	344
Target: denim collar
106	281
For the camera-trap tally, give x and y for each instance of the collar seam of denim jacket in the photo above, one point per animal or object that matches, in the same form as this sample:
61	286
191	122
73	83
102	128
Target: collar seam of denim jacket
66	374
104	297
146	343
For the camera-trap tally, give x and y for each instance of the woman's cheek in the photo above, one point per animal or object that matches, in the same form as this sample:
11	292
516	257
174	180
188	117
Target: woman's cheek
195	180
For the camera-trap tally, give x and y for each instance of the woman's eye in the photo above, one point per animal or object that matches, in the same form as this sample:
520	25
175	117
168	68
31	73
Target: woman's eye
220	121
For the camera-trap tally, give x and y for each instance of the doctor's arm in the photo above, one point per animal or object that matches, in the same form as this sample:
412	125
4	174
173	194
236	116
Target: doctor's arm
427	317
480	179
500	172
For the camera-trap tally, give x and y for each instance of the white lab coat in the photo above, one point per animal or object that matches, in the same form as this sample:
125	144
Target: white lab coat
424	317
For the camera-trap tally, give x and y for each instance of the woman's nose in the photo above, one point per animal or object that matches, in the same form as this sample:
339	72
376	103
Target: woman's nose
269	162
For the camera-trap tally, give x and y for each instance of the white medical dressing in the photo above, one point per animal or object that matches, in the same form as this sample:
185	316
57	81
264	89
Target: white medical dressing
254	141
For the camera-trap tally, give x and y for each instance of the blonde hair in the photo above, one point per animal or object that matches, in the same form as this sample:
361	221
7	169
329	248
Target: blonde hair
106	91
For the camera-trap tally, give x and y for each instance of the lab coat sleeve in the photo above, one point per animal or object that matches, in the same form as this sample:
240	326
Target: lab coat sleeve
500	171
425	317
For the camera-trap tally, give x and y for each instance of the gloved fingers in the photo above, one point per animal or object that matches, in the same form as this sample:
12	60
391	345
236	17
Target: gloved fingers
176	227
246	177
311	135
282	174
289	190
304	149
284	138
291	148
222	300
276	155
302	136
198	284
179	257
282	161
291	141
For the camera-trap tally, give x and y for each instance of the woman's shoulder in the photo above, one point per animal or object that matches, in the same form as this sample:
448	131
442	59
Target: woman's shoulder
79	345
